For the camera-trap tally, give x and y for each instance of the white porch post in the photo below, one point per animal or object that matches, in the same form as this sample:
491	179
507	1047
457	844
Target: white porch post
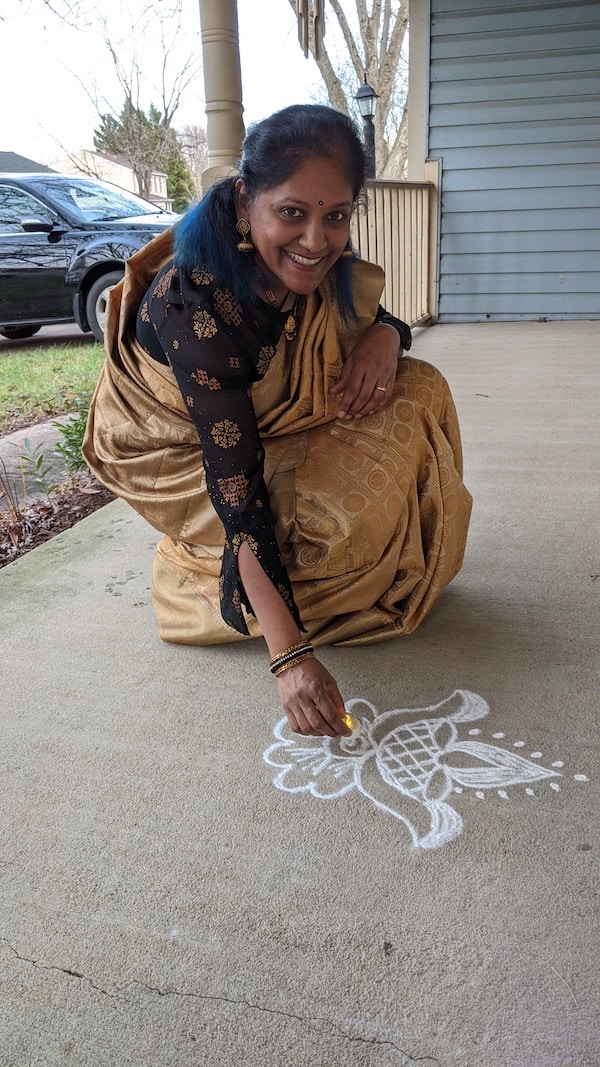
418	88
222	87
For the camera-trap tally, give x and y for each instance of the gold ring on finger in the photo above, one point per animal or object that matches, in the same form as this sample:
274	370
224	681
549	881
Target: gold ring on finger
381	388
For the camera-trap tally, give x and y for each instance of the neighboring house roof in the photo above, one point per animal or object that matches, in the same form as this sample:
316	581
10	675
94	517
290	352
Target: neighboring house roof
13	163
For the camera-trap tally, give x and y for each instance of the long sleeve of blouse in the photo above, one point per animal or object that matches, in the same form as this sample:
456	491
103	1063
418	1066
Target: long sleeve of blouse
217	347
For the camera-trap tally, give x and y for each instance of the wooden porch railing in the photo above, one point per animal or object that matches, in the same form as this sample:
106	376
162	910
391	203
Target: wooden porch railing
396	232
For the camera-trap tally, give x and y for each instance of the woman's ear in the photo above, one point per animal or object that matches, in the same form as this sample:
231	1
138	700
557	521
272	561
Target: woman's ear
242	200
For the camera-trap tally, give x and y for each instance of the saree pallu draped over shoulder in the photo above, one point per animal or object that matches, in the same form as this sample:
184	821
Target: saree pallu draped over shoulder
371	515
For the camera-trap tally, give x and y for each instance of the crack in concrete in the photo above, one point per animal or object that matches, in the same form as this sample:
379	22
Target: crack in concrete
306	1020
62	970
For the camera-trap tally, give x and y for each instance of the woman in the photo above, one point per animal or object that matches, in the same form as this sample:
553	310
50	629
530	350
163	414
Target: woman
325	502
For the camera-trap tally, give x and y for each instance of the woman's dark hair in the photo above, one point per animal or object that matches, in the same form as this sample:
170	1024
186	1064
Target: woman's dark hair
272	151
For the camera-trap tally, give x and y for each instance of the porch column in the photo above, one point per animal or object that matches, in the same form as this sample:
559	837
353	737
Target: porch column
418	89
222	87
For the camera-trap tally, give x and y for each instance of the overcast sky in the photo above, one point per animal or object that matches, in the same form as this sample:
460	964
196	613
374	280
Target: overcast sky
44	106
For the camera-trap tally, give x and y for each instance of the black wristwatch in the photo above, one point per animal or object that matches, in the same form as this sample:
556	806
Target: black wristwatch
402	328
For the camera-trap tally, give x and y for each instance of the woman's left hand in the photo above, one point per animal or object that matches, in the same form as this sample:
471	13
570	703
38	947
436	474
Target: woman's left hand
368	375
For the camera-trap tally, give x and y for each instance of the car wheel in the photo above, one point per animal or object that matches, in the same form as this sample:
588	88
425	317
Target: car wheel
16	333
95	305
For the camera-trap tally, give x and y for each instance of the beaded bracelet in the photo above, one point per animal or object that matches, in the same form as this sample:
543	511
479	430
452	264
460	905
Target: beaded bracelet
293	663
291	648
290	655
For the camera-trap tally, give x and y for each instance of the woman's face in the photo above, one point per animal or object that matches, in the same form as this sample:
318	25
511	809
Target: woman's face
299	228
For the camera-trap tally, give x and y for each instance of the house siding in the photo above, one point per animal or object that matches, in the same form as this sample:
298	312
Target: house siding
514	117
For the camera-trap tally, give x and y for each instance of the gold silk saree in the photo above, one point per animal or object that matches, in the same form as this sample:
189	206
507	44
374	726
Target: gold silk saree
371	515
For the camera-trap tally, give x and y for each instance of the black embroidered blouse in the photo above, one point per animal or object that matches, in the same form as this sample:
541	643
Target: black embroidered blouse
217	347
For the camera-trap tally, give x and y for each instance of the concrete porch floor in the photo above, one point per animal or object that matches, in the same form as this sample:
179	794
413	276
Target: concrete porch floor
164	903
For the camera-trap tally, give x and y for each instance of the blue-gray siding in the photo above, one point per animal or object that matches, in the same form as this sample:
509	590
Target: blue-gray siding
515	118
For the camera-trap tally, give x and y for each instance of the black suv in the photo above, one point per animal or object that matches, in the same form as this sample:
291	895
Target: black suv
63	244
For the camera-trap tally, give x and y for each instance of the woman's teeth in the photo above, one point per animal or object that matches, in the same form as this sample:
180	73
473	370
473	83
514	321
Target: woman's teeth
304	262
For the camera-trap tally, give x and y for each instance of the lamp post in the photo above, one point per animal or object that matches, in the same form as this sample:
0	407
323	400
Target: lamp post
366	98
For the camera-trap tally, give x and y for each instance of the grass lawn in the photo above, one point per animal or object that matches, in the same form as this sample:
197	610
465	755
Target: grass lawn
42	381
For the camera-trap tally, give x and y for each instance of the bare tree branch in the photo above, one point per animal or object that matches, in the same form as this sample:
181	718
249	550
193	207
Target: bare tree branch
375	49
358	61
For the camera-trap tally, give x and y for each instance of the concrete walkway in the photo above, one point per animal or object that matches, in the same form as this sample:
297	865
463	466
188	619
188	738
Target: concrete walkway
171	898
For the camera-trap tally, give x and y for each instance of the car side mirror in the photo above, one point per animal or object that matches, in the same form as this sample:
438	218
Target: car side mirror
34	224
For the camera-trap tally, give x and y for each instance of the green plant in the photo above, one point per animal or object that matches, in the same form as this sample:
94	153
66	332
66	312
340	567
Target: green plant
33	466
69	449
15	516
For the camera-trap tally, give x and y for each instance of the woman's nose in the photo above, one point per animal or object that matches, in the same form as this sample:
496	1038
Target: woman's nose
313	237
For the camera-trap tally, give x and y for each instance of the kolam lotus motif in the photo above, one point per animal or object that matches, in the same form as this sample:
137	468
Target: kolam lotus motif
408	762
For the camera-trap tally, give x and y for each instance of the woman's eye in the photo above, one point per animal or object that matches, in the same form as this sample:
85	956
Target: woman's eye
297	213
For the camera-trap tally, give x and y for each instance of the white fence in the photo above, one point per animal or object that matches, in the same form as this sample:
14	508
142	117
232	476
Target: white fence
396	232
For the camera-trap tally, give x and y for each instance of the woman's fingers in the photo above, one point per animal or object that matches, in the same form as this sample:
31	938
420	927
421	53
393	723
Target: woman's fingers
311	700
311	719
363	391
368	374
369	398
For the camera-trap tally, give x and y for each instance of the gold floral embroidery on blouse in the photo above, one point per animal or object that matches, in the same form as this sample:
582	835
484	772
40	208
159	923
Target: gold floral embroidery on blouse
228	307
226	434
189	401
265	356
204	325
233	490
200	276
144	313
202	378
175	344
248	538
235	362
163	284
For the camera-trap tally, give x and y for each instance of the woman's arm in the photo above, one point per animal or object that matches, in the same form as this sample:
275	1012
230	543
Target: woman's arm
308	693
209	361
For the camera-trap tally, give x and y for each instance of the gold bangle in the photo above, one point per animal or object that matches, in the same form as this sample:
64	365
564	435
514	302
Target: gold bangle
289	654
285	651
293	663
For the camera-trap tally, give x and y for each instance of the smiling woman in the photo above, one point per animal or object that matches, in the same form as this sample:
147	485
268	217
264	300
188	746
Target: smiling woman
254	409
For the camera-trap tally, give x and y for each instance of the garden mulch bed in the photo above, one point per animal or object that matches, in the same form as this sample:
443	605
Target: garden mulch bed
25	528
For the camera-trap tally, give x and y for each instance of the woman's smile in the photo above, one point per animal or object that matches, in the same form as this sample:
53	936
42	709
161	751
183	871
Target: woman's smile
302	261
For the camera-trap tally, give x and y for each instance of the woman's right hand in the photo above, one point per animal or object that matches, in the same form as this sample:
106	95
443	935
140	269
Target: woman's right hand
312	701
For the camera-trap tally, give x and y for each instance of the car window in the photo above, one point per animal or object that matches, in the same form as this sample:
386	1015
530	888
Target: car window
16	204
94	201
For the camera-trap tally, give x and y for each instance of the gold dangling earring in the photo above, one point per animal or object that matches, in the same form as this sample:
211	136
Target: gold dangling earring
243	227
347	253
